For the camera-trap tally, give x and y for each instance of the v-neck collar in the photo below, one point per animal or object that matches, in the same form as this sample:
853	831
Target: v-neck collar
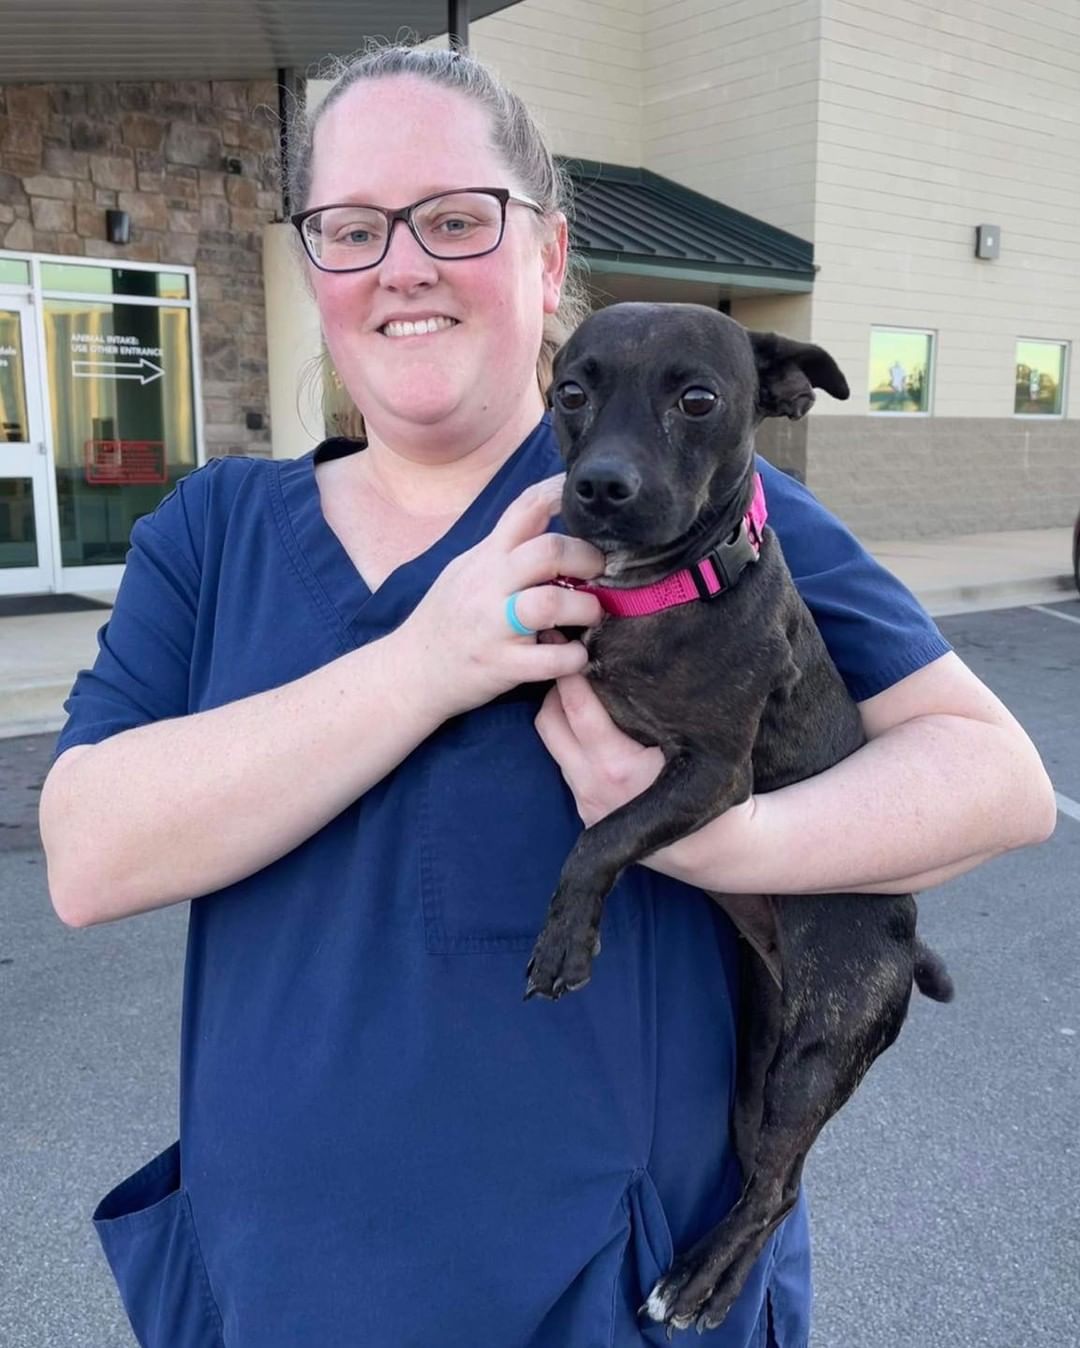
366	614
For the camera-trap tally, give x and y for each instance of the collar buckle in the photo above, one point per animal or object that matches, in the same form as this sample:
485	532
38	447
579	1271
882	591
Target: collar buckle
729	560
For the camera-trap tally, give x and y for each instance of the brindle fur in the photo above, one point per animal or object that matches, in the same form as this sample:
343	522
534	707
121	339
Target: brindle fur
740	694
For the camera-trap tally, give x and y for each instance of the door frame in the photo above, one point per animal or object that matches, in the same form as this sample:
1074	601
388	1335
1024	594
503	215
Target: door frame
29	458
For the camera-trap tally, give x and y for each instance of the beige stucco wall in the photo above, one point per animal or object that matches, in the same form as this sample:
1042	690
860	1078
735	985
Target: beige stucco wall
789	314
578	65
293	343
932	121
730	94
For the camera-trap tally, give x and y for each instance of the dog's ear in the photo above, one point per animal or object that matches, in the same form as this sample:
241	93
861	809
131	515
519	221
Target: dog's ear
788	373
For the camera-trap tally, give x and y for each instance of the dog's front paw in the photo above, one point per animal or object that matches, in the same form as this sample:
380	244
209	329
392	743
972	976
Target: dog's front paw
666	1304
561	961
688	1295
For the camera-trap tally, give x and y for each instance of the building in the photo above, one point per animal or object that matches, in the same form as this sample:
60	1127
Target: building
818	167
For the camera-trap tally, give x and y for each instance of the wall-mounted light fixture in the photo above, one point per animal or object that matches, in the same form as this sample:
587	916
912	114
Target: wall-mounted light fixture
987	241
118	226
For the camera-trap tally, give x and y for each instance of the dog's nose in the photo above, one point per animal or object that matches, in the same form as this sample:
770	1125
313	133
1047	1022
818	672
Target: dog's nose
606	486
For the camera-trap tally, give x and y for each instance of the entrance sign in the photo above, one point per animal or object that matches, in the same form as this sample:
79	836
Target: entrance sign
124	349
145	371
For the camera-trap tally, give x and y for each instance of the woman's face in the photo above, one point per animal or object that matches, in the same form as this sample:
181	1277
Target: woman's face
390	142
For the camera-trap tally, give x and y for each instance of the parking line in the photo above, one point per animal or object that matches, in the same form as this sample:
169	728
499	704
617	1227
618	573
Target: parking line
1067	806
1041	608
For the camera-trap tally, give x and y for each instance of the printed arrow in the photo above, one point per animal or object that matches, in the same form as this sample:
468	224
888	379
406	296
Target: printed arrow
110	369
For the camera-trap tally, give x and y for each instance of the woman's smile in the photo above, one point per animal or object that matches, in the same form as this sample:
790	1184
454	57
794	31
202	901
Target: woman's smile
417	327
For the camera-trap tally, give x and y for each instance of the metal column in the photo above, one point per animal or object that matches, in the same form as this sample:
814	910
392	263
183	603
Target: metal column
457	26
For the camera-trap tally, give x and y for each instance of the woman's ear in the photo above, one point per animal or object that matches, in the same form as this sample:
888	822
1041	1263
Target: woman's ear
553	255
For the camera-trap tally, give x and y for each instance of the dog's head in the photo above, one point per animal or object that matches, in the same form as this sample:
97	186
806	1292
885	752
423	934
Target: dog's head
655	407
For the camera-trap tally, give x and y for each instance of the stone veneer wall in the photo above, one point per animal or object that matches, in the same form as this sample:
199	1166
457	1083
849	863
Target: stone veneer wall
927	477
910	477
158	150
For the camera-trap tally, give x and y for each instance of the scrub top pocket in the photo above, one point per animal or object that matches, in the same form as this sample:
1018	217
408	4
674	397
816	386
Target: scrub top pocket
497	823
148	1235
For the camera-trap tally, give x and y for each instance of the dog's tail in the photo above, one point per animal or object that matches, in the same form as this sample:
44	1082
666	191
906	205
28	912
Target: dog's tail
931	976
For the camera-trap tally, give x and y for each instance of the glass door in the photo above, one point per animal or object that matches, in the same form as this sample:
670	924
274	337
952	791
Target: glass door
26	544
120	375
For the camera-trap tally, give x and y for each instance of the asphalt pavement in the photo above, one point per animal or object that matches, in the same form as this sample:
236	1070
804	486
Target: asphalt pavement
943	1198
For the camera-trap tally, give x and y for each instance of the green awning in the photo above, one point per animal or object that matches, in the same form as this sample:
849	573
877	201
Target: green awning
633	221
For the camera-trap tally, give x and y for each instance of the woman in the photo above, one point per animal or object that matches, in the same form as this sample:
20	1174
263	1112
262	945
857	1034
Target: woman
311	713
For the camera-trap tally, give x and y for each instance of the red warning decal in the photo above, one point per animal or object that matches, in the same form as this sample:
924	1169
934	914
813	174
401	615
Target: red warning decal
125	462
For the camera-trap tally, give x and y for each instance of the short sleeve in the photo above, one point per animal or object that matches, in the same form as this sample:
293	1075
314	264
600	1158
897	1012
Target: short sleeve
875	629
142	670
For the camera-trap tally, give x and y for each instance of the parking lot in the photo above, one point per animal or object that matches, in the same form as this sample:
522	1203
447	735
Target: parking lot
944	1198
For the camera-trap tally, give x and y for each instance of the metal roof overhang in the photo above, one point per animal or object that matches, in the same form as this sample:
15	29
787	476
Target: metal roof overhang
632	222
79	41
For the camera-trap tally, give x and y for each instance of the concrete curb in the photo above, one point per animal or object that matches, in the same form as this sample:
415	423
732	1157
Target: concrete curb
33	709
975	598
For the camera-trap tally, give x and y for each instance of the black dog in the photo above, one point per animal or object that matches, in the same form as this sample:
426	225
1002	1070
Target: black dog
655	407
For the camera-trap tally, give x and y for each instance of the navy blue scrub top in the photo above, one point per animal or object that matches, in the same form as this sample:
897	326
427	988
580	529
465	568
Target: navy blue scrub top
381	1143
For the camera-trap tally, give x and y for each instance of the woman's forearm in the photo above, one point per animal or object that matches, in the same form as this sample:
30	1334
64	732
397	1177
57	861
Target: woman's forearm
986	793
169	811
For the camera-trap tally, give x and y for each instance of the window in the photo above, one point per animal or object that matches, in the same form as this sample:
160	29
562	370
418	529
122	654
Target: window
79	279
900	370
14	272
1040	379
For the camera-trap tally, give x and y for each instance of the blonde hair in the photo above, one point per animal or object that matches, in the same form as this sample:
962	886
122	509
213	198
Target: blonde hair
516	138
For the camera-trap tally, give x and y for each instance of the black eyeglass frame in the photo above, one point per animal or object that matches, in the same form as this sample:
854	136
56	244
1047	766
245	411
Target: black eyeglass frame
501	194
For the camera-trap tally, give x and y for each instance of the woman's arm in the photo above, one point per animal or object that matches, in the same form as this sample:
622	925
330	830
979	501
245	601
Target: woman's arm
948	779
198	802
187	804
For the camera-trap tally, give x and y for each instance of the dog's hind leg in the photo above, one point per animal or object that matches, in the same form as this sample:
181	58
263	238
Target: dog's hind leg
760	1028
703	1283
831	1035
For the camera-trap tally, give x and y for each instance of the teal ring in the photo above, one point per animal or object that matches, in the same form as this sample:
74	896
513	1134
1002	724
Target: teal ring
513	619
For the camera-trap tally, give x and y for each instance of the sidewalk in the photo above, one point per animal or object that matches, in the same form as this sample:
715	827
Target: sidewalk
981	571
40	654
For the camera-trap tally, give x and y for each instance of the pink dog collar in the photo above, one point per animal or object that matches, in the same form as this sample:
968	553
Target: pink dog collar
716	572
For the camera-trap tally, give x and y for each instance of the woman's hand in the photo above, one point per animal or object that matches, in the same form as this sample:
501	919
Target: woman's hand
460	630
602	767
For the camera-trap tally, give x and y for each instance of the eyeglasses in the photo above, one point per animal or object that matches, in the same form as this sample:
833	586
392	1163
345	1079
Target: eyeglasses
447	226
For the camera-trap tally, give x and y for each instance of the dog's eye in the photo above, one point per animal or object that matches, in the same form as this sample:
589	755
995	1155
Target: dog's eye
697	402
571	396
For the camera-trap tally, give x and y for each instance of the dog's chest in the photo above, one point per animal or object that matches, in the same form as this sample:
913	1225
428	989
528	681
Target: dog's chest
656	675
